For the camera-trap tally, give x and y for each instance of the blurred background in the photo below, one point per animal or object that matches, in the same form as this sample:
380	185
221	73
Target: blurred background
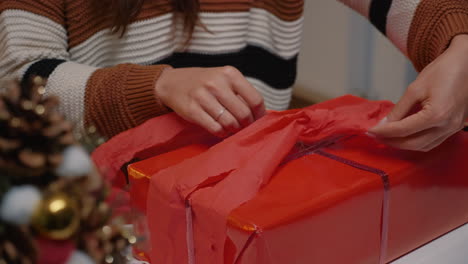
343	54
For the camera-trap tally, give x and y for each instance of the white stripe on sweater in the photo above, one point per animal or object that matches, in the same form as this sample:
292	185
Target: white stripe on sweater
68	82
399	21
274	99
27	37
153	39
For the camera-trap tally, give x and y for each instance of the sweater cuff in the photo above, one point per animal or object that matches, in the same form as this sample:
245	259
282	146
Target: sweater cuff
435	24
140	95
121	97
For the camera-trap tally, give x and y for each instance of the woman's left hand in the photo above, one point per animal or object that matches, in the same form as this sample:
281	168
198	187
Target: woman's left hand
440	96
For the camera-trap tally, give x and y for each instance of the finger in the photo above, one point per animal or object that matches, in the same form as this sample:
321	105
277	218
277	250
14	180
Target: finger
237	107
436	143
200	117
259	113
217	111
249	94
229	122
404	106
440	140
418	141
408	126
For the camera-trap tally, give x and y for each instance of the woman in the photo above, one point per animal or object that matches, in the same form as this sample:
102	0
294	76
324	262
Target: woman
116	63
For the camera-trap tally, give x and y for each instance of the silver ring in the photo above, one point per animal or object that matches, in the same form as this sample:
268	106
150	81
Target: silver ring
221	112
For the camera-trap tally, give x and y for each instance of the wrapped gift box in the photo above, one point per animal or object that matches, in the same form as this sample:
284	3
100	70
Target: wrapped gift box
299	186
348	201
354	202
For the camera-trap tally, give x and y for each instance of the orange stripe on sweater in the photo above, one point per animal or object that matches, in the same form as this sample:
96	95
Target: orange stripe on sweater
434	25
52	9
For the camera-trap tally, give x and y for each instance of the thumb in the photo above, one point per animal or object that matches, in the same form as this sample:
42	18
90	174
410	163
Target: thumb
405	105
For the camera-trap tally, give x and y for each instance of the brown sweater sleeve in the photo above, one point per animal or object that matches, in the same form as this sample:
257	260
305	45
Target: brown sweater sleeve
435	24
421	29
113	99
122	97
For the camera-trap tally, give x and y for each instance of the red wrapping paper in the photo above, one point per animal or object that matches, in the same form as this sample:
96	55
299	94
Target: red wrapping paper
156	136
227	175
231	172
313	208
320	210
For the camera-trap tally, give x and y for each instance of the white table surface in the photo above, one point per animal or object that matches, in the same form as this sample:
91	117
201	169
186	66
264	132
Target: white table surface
451	248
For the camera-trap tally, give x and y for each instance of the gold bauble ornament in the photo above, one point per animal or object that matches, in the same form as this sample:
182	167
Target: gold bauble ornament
57	217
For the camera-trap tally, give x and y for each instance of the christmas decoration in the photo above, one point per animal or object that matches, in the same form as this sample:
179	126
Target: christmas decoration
57	217
53	207
19	204
79	257
76	162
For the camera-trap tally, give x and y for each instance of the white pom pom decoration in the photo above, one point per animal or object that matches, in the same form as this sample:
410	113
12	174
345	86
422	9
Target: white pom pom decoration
19	204
76	162
79	257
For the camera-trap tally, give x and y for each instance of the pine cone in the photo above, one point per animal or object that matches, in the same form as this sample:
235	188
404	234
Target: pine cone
32	134
33	137
17	246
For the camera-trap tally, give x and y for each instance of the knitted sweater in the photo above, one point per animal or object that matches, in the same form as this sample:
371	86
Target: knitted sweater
108	82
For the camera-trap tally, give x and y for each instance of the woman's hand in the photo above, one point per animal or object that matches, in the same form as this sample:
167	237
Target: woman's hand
220	99
440	97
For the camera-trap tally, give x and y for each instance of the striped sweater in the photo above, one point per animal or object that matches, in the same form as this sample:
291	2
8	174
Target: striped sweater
108	82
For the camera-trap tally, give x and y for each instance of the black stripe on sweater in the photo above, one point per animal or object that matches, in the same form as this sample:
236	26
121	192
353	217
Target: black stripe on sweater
42	68
378	14
252	61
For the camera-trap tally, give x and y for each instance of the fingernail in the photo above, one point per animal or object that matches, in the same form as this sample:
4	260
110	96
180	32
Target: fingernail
222	134
251	119
381	122
370	135
248	121
262	113
234	129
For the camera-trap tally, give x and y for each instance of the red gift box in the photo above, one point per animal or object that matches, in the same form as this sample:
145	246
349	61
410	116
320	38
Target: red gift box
327	205
354	202
246	200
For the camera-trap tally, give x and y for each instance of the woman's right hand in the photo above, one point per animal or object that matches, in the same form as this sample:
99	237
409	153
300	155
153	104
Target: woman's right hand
218	99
